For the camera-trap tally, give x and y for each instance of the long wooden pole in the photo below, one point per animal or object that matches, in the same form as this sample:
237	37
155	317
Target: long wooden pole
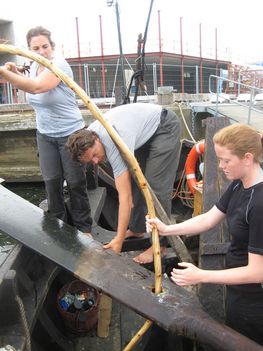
121	145
175	241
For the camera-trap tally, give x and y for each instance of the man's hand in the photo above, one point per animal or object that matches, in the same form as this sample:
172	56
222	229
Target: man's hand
115	244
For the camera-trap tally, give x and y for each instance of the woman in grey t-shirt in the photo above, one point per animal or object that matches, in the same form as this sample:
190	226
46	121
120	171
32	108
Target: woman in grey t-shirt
57	116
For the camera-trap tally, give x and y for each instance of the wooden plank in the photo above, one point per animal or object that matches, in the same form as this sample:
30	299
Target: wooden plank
175	309
212	295
213	248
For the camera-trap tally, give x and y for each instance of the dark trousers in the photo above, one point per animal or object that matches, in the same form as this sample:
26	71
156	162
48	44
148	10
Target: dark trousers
244	313
56	166
158	159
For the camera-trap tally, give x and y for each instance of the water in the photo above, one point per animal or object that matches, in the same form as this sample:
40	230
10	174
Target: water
33	192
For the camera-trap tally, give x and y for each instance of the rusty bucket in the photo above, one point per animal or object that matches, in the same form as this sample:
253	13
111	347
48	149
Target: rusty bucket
78	305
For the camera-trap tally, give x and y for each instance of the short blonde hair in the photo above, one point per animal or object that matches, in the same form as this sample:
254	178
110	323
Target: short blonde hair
240	139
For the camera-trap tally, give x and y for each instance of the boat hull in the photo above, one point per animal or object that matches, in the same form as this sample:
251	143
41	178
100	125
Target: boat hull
175	310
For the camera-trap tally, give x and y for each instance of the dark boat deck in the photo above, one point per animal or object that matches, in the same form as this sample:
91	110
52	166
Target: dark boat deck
124	323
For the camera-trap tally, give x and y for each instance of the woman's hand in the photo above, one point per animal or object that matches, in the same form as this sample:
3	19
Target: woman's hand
2	69
10	66
188	275
150	222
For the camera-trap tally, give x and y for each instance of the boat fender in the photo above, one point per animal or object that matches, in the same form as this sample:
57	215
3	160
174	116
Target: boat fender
190	164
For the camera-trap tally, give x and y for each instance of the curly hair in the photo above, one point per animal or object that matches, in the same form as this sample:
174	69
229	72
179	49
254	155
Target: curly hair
79	142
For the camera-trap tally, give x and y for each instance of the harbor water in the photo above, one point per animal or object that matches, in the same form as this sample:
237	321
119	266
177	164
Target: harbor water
33	192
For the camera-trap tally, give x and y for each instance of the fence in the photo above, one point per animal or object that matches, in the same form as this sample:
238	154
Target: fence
103	80
246	100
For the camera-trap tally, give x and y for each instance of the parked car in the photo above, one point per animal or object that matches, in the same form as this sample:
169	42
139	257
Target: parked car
222	98
258	99
244	97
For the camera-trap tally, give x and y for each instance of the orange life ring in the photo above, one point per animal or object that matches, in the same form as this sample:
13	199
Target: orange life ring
190	164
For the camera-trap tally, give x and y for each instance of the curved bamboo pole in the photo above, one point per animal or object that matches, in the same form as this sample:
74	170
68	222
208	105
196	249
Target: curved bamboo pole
138	336
122	147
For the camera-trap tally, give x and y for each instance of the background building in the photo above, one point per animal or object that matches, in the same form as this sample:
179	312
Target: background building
103	75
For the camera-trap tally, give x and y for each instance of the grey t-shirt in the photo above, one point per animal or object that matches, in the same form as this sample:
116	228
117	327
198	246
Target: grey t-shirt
135	123
57	112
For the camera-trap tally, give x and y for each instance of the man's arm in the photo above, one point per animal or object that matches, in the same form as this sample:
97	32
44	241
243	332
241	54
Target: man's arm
123	186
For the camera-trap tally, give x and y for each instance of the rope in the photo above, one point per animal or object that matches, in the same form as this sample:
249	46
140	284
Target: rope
182	192
186	126
24	320
114	82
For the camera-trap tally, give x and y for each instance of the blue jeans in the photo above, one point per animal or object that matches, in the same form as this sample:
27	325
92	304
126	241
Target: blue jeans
56	166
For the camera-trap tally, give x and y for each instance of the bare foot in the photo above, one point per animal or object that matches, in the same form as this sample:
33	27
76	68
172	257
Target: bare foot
131	234
89	235
147	255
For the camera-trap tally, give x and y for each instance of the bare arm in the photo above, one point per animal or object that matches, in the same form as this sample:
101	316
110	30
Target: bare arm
44	82
190	275
123	186
192	226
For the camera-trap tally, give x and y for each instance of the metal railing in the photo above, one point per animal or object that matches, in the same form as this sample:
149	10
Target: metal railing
89	77
215	87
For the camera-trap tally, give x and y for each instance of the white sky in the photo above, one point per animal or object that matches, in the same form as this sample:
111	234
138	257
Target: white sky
239	26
